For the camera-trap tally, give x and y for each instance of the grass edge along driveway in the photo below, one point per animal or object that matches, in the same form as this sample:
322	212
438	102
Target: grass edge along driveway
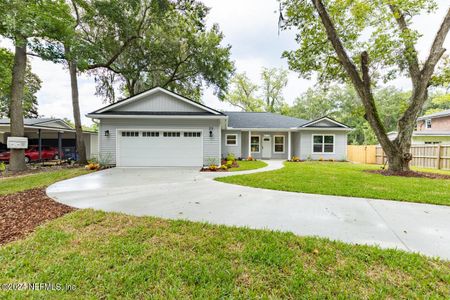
119	256
346	179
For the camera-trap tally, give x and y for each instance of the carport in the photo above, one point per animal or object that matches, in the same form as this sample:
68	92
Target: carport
51	132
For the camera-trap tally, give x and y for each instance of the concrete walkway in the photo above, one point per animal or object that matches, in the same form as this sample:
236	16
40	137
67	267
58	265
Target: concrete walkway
188	194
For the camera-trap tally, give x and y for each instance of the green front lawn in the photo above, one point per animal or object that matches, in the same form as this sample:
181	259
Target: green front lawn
22	183
346	179
106	255
245	165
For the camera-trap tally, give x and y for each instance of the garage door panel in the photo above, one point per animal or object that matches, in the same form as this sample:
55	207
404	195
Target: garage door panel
148	151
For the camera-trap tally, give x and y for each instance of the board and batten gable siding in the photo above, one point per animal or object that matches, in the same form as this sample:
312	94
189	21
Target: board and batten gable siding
235	149
211	145
159	102
340	145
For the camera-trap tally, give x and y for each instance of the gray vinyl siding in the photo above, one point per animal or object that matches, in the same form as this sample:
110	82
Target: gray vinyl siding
235	149
211	145
295	136
159	102
340	146
244	140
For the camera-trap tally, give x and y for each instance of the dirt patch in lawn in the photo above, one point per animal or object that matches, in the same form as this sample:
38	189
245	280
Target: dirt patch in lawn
410	174
22	212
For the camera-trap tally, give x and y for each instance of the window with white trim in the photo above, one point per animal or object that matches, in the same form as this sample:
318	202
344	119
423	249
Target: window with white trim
192	134
171	134
323	143
255	143
150	133
231	139
130	133
428	123
278	144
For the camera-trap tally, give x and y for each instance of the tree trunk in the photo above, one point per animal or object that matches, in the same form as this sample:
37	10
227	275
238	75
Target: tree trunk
17	159
81	148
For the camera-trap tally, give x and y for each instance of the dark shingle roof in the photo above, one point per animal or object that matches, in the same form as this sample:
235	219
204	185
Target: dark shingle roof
157	113
262	120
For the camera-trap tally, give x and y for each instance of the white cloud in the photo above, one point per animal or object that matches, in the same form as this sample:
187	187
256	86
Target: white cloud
250	26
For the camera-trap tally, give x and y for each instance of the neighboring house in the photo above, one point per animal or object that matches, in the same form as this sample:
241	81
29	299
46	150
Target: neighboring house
431	129
161	128
51	132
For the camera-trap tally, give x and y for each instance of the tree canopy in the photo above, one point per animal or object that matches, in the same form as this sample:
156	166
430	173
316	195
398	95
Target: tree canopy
176	50
32	86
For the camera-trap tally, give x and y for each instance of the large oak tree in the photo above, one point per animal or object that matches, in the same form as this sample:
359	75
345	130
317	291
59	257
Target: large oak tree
363	42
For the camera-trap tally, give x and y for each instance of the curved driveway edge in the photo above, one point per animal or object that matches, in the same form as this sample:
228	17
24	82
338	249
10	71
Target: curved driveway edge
185	193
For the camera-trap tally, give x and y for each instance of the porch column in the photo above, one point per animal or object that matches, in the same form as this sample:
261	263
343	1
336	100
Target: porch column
40	144
59	145
289	145
249	143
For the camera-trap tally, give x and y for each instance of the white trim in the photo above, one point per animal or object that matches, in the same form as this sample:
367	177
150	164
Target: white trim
289	145
226	140
157	129
100	116
259	143
321	119
274	143
296	129
323	143
325	129
153	91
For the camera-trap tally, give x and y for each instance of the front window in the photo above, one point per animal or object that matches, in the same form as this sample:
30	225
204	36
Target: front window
428	123
279	144
231	139
323	143
255	144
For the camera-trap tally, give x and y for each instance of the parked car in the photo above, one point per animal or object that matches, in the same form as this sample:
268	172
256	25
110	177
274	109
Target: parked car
32	154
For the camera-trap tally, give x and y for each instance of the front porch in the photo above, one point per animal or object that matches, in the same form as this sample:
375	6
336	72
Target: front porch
261	144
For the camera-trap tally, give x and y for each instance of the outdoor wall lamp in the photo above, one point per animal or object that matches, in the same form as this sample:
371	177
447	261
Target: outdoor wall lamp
106	132
211	131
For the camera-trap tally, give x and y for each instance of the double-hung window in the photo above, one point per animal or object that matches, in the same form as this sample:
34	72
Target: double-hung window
428	123
278	144
231	139
323	143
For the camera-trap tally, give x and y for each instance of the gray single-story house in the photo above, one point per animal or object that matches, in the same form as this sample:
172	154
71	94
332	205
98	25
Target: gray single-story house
161	128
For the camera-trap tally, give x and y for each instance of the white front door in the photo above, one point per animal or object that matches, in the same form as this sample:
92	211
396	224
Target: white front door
267	147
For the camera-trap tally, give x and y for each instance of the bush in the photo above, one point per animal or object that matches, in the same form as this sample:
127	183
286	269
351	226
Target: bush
250	158
213	167
224	167
229	163
2	167
295	158
231	157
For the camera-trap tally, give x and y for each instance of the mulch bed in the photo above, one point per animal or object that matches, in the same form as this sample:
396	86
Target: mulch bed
22	212
410	174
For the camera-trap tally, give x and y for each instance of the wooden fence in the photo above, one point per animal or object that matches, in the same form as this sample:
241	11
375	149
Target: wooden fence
364	154
424	156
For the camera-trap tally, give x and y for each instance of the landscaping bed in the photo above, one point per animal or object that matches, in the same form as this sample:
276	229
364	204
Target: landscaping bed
417	174
21	213
35	168
235	165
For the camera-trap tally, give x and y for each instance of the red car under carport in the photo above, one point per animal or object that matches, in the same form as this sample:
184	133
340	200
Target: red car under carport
32	154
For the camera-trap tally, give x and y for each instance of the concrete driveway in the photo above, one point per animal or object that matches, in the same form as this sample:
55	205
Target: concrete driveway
188	194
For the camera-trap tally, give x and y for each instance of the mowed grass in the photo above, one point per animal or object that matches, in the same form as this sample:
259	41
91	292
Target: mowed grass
107	255
249	165
347	179
22	183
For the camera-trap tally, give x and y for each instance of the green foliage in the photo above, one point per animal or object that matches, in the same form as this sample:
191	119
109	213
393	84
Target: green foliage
175	50
2	167
32	86
267	96
229	163
362	26
231	157
342	103
439	102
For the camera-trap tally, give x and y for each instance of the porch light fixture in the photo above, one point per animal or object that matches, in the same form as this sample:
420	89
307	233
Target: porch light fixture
106	132
211	131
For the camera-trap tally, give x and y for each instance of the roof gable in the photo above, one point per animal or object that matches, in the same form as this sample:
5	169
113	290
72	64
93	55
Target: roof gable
324	122
157	100
440	114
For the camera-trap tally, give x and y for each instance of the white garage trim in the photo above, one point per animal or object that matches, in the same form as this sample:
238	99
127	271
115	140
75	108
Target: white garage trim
159	129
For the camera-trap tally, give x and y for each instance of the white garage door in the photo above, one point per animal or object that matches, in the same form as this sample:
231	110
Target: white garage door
159	148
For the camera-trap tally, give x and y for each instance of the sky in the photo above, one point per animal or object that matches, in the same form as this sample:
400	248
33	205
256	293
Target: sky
249	26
